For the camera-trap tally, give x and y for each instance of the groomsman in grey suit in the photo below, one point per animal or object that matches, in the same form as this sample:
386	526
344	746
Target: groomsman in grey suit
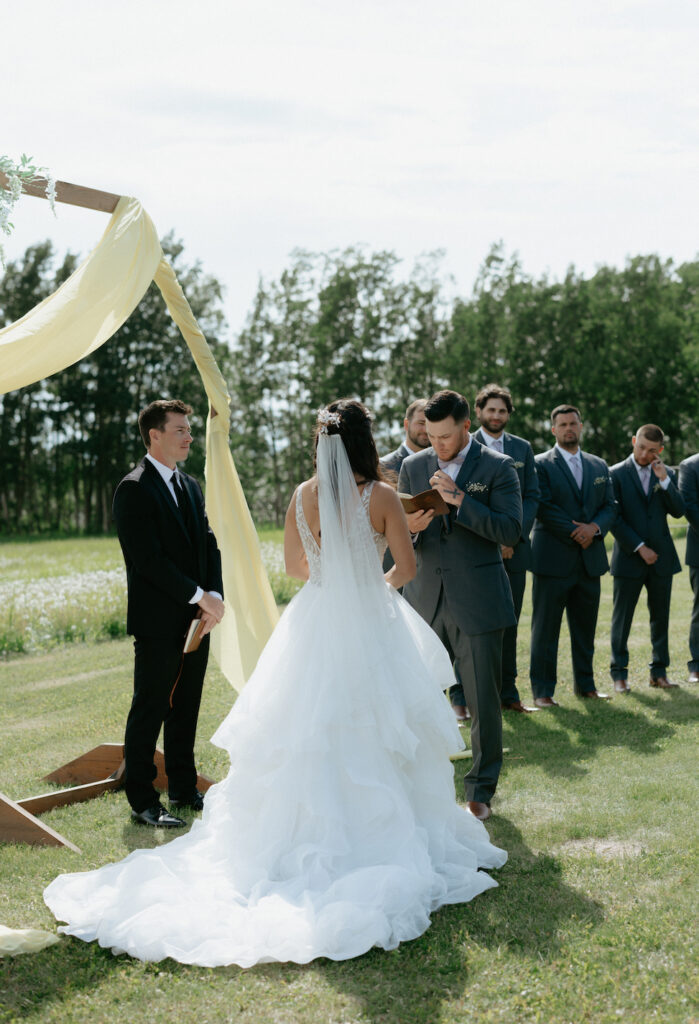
644	554
461	587
416	440
493	408
689	489
576	509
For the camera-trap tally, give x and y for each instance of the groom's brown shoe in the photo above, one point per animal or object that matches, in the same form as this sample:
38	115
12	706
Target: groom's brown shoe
157	817
479	810
545	702
517	705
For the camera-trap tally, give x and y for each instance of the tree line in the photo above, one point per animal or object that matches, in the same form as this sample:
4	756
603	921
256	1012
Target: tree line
622	344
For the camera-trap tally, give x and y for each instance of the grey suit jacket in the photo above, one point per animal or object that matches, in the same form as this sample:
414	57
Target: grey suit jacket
554	552
520	451
643	519
394	460
461	552
689	489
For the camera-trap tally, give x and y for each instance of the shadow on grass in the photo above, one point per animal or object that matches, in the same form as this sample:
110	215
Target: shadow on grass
31	981
579	732
523	916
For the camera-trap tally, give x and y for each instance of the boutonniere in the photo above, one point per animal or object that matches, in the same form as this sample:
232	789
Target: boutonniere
476	488
600	480
519	465
657	488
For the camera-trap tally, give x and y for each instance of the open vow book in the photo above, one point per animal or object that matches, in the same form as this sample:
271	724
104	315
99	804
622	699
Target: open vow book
423	501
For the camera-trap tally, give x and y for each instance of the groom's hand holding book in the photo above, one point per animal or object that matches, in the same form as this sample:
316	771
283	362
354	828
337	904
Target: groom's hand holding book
212	611
420	509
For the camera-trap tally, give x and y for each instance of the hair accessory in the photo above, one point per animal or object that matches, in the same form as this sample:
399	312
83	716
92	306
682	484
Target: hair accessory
324	417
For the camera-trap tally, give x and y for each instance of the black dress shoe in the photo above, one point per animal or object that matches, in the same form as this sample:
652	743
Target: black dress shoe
157	817
195	802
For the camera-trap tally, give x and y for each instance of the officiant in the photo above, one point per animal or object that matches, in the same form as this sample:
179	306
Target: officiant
461	587
173	572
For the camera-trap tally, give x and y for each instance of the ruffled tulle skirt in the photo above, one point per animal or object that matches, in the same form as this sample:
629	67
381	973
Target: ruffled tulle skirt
337	827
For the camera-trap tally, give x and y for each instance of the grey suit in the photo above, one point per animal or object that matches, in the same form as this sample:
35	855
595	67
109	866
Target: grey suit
689	489
642	519
566	577
461	589
520	451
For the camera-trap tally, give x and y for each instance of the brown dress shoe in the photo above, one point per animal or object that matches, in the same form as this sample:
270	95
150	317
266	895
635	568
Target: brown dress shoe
461	712
545	702
517	705
663	683
693	677
622	686
479	810
594	695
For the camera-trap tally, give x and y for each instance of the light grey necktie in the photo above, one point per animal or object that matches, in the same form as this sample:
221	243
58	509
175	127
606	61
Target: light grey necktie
645	478
576	469
497	444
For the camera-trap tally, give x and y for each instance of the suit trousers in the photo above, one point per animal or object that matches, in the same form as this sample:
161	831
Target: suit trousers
578	595
627	591
477	662
508	691
693	663
156	665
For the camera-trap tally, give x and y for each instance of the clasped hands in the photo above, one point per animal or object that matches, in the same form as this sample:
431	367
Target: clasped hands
584	533
212	611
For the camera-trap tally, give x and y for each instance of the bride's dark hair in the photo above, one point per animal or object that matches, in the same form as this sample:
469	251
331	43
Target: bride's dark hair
355	430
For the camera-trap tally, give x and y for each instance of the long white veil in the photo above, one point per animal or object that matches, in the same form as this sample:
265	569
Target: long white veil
348	552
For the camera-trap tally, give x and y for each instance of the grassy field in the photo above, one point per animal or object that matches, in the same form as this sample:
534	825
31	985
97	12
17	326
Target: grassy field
593	920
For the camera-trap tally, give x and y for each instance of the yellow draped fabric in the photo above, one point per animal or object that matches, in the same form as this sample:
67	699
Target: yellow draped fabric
84	313
14	941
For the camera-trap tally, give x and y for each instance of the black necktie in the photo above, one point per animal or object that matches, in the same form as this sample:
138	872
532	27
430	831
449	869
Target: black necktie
182	502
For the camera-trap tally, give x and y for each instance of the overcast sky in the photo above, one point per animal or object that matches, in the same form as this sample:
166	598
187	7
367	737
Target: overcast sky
569	130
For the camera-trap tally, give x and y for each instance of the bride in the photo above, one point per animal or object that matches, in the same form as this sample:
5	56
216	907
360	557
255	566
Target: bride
337	827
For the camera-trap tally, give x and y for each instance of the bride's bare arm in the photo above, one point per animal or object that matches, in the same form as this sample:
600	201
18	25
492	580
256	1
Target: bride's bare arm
395	529
294	555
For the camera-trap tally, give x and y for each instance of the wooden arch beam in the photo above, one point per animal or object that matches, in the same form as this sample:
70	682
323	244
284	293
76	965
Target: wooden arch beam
72	195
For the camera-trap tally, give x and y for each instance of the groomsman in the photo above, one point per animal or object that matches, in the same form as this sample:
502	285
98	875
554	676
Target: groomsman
576	509
461	587
416	440
493	408
644	554
689	489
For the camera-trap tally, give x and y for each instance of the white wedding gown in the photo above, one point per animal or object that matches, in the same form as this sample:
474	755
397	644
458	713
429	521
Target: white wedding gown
337	827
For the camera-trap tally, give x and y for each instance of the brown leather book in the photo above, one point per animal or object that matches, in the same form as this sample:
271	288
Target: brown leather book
194	635
423	501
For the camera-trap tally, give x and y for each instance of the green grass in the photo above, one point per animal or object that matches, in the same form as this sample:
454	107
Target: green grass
593	919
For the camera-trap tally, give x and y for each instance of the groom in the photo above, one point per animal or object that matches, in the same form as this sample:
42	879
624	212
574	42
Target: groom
173	571
461	587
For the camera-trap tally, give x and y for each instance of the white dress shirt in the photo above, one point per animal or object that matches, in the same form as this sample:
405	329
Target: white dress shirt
452	467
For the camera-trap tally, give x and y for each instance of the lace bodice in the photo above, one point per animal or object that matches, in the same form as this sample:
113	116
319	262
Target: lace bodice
310	544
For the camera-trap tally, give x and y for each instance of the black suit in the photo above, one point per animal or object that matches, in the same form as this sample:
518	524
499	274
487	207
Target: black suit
642	519
520	451
461	589
689	489
168	552
566	576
